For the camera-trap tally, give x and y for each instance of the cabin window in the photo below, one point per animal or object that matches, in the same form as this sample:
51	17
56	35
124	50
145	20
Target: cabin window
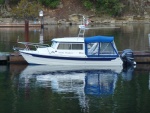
97	49
66	46
106	48
77	46
93	48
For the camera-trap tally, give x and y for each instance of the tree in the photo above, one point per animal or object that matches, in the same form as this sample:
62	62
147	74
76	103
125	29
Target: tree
26	9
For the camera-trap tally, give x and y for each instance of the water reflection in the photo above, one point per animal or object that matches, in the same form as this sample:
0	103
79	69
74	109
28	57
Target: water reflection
127	73
71	79
3	68
126	36
28	89
101	82
82	83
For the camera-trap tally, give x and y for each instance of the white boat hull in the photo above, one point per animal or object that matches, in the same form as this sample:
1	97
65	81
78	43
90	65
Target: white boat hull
47	60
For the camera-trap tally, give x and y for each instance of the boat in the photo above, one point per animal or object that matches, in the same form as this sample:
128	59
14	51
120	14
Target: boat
80	51
74	51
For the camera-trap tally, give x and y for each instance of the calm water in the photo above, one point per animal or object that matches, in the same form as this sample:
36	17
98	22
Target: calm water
34	89
133	36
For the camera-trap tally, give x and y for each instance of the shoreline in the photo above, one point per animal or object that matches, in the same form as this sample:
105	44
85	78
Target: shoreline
9	22
19	25
39	25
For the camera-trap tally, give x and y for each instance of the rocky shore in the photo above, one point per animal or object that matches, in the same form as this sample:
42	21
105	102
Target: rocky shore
76	19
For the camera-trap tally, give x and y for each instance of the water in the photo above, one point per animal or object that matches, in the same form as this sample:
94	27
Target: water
32	89
28	89
133	36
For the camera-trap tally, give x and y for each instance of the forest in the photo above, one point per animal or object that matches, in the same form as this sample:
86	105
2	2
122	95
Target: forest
115	8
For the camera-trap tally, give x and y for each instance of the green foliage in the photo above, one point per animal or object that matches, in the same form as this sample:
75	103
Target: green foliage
26	9
13	2
88	4
2	1
111	7
50	3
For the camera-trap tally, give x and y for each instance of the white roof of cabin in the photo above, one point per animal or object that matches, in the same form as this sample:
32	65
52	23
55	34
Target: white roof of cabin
69	39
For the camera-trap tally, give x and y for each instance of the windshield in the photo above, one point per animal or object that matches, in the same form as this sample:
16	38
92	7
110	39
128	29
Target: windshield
54	45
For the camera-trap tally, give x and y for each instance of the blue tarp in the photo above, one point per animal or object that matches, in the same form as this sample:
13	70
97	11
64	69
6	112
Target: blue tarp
94	39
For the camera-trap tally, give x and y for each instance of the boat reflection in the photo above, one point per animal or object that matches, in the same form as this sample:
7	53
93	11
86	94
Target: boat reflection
88	81
82	83
127	73
100	82
97	82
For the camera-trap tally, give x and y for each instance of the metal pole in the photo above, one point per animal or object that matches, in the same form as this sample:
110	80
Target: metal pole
42	22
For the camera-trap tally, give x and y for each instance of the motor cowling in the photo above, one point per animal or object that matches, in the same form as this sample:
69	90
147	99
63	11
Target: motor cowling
127	57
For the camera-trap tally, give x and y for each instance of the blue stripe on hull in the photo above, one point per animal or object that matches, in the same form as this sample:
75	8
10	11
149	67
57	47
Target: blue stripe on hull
74	58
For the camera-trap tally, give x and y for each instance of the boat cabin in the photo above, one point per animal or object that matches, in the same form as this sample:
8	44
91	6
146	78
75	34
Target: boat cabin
96	46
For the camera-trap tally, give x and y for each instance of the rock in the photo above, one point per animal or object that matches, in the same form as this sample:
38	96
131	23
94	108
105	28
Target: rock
62	21
146	16
112	21
130	18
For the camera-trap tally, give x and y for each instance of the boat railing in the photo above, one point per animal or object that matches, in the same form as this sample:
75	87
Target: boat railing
35	45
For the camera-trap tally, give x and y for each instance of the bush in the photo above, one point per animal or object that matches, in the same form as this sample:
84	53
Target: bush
88	4
50	3
2	1
111	7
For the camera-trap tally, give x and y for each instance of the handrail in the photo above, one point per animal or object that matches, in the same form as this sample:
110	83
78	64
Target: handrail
36	45
33	44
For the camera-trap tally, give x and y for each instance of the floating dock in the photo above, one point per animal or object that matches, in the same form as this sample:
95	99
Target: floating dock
4	58
15	58
142	57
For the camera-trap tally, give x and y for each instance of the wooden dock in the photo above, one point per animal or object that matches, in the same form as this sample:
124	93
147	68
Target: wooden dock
15	58
19	25
142	57
4	58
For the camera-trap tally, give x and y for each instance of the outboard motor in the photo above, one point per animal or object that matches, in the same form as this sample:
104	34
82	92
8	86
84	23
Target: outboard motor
127	57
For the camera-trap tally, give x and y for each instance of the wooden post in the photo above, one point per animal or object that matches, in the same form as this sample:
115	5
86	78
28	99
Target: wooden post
26	30
42	19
